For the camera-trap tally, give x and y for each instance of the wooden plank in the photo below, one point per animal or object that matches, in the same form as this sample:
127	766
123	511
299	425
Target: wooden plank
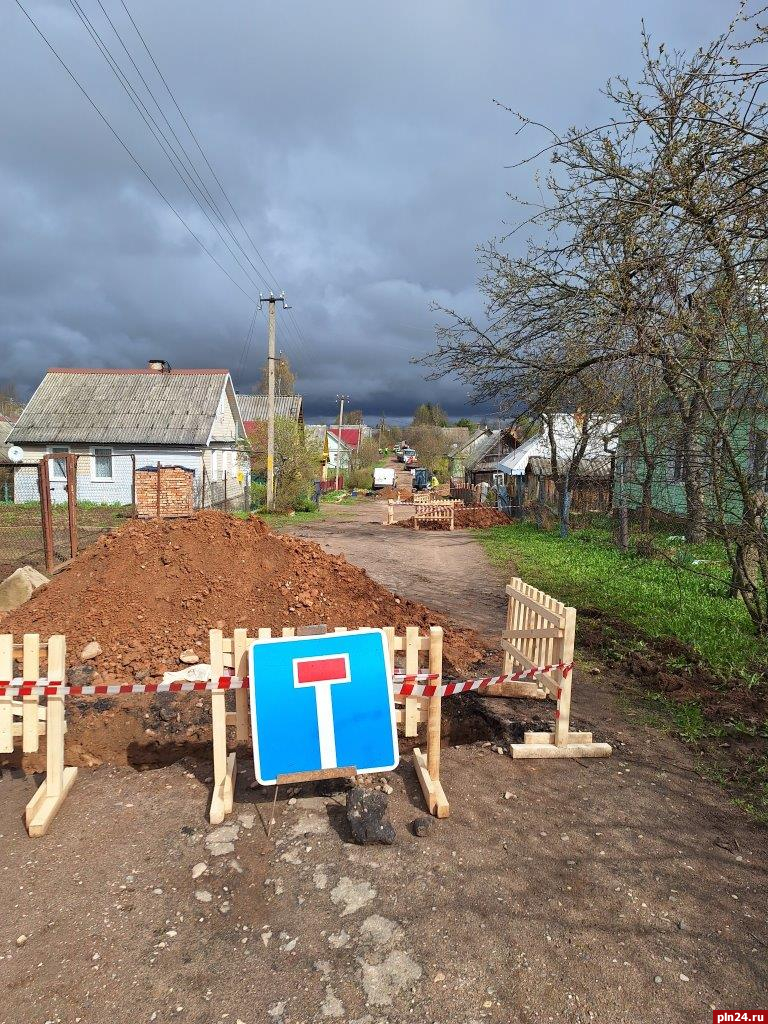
514	634
322	773
548	737
223	771
563	719
536	606
411	668
434	714
518	689
6	702
434	796
54	746
548	750
240	659
42	808
30	743
545	679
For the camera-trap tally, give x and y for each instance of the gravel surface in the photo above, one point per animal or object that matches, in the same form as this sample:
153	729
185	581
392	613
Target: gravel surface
621	891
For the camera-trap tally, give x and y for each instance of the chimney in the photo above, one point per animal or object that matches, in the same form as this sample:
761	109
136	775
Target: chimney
158	366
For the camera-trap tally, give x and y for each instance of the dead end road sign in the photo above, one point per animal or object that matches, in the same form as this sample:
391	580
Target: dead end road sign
320	703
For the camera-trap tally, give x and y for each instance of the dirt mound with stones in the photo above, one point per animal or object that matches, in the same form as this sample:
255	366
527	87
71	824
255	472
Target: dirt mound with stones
473	518
152	590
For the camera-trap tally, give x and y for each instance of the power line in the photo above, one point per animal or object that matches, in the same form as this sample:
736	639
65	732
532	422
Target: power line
161	138
293	322
127	148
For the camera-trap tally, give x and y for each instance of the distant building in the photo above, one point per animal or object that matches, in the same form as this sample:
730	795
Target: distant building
115	419
253	409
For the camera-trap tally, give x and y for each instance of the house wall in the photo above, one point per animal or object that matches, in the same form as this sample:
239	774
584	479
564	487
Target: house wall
118	490
224	426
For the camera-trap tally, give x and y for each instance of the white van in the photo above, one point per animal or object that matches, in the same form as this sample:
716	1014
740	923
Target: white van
383	476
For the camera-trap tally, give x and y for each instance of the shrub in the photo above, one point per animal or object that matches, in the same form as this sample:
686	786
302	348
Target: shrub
360	479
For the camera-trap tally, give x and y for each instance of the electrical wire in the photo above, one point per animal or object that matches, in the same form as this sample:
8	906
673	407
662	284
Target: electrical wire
127	148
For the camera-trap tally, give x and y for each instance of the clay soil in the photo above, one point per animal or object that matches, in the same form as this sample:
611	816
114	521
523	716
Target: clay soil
470	518
153	589
625	890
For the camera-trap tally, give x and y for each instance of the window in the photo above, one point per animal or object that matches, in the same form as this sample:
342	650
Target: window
102	463
57	468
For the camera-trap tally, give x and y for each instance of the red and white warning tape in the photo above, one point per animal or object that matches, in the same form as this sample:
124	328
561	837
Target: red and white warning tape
419	685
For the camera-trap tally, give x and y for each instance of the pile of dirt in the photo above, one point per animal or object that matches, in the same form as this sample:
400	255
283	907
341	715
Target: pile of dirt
153	589
473	518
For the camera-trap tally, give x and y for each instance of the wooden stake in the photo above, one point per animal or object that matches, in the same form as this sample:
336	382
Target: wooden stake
6	702
43	806
72	502
224	767
30	742
240	662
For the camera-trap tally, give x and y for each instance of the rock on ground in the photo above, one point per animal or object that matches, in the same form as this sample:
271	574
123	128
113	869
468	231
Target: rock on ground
367	817
17	588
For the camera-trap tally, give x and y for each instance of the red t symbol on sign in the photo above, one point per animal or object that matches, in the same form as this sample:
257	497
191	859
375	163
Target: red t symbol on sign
323	672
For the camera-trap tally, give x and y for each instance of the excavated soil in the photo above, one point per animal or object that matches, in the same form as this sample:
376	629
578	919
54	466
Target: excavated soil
152	590
473	518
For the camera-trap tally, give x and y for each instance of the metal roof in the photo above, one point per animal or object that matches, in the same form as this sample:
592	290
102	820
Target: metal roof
589	469
254	407
122	407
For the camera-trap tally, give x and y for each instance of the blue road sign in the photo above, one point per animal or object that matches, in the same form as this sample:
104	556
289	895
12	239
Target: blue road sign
322	702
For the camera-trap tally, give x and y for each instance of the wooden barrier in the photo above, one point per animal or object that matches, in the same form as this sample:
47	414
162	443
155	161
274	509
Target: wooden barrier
433	511
407	654
27	720
541	631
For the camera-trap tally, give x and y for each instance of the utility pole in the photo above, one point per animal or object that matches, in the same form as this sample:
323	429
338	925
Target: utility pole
342	399
272	300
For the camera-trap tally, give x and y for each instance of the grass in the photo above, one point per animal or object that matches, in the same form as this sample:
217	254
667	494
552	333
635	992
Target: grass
278	520
745	777
683	595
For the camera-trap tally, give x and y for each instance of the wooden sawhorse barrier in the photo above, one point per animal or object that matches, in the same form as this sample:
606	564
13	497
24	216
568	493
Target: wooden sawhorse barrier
27	720
407	654
433	511
541	631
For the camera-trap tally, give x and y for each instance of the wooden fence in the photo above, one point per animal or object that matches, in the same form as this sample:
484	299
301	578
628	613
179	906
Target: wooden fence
26	720
407	653
540	631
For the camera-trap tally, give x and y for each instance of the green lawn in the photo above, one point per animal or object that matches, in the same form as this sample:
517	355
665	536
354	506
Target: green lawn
681	595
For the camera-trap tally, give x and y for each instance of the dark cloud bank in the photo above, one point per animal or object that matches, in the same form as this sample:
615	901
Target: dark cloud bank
359	143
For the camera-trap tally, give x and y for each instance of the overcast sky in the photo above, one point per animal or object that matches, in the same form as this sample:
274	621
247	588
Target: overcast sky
358	142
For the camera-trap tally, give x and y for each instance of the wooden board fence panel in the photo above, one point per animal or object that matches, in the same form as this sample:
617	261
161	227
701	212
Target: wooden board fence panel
408	653
28	719
539	631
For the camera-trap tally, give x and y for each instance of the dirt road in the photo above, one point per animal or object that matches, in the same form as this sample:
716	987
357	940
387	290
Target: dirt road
617	891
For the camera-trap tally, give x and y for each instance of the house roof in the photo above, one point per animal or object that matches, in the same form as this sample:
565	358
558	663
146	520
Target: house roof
132	406
351	436
254	409
598	468
567	436
479	446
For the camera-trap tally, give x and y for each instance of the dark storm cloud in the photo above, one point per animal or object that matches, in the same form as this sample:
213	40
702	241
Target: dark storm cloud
359	143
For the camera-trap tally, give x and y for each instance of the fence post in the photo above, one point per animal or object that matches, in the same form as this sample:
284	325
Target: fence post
158	489
226	507
72	502
133	483
44	490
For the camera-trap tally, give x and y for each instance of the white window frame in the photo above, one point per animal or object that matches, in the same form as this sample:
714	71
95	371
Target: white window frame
214	465
53	476
102	479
